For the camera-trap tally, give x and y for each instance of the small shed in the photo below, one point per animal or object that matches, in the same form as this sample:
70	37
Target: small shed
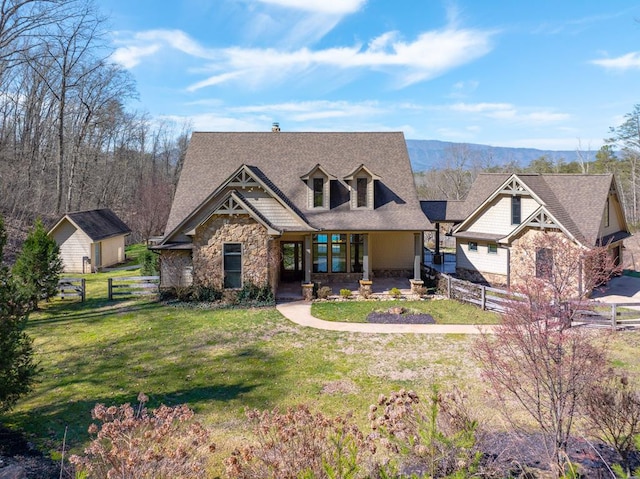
90	240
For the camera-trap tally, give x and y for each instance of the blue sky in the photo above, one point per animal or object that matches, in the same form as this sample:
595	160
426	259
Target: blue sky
549	74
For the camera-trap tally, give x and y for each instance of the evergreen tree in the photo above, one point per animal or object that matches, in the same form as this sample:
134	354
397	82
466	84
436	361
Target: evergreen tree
17	369
38	267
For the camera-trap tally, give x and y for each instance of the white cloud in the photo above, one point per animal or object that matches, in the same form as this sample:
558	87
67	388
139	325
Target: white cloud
431	54
507	111
334	7
130	56
625	62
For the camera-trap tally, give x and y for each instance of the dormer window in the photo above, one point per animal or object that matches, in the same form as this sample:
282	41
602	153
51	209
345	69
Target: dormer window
361	182
318	192
361	192
318	180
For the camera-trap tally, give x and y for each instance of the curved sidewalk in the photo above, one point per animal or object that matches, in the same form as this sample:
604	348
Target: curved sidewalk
299	312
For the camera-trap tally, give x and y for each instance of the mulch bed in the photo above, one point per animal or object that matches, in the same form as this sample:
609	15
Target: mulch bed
15	450
404	318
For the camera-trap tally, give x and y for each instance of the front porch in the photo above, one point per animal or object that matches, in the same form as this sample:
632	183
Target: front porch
292	291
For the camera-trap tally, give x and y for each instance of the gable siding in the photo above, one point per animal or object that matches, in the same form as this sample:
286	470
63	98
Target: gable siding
496	219
481	260
74	245
615	217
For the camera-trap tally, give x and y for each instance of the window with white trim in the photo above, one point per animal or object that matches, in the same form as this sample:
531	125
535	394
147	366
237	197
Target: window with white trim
472	246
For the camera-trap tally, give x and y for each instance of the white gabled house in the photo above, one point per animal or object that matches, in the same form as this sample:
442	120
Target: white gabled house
501	211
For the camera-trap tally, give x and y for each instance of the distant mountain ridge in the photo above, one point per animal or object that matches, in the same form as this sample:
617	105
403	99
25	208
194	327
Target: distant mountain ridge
432	154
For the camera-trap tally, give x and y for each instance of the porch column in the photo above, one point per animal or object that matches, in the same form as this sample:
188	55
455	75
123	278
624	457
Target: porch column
307	259
365	257
417	255
437	238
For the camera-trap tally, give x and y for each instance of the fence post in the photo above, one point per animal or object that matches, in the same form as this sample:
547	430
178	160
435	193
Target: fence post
110	283
83	285
483	297
614	316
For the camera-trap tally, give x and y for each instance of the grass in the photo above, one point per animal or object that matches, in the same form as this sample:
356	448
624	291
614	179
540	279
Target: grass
223	362
219	362
443	311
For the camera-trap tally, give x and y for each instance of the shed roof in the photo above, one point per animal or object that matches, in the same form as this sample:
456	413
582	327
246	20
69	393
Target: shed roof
97	224
284	158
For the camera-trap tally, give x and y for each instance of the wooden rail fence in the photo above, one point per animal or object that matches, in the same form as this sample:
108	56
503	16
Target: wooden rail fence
133	286
72	288
493	299
612	315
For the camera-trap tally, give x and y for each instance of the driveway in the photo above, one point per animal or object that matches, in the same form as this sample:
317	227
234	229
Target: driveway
621	289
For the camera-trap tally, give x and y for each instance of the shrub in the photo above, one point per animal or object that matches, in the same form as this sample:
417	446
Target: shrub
251	293
438	436
299	444
324	292
148	263
17	368
395	293
136	443
206	294
345	293
38	266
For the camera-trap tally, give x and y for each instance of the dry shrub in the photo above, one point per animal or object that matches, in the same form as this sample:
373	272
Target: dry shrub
436	437
612	410
299	443
141	444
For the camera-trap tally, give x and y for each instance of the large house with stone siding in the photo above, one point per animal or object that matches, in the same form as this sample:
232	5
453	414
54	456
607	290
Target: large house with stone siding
503	213
273	207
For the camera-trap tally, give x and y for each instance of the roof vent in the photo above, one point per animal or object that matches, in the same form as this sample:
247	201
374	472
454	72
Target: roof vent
275	127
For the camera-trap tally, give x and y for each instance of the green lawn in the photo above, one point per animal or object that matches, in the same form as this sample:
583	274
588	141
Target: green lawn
219	362
443	311
222	362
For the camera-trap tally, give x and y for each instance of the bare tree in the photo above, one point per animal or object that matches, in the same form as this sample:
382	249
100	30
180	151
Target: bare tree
534	358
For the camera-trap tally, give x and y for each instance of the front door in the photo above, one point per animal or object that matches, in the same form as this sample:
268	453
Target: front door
291	268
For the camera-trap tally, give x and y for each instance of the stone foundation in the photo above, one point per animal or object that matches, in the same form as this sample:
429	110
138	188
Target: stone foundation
393	273
307	291
488	279
416	286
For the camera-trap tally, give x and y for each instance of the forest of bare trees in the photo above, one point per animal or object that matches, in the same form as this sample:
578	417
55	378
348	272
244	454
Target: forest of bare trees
68	141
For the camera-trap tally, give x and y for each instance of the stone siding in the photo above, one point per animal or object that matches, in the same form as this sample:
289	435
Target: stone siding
488	279
176	269
257	251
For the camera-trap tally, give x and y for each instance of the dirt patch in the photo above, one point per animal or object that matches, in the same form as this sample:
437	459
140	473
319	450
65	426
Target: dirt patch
17	452
342	386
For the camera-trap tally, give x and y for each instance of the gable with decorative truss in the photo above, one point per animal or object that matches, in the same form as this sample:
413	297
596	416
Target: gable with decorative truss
231	206
514	186
243	179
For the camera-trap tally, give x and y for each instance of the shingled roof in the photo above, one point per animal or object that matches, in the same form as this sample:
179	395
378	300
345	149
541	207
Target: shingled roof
97	224
576	201
283	158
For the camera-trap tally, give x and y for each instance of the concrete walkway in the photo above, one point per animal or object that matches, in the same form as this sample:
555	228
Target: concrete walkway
299	312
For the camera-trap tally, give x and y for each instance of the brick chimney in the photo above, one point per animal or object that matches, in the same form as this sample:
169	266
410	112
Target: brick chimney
275	127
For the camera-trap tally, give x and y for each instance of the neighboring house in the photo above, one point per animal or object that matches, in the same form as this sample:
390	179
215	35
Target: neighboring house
267	208
502	211
90	240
